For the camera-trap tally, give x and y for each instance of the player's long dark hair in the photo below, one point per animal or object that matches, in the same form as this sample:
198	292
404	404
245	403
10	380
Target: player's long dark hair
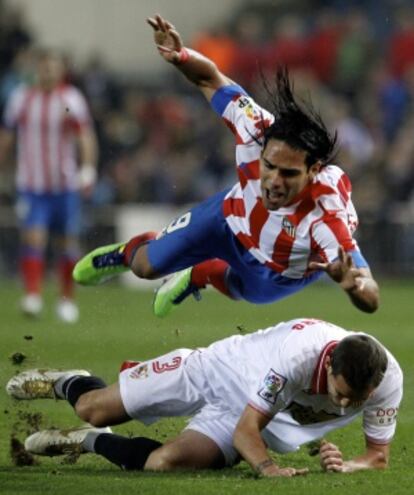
297	123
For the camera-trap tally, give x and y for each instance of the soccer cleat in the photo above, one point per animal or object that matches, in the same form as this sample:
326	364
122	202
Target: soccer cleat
100	265
31	305
67	311
60	442
173	291
38	383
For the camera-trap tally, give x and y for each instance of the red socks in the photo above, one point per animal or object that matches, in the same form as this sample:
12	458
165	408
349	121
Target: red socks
65	269
136	242
211	272
32	268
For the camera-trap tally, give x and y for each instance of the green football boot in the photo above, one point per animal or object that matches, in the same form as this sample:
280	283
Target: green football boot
100	265
173	291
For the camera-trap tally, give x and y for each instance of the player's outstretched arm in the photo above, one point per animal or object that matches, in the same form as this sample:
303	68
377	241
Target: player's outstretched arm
358	283
249	443
198	69
375	457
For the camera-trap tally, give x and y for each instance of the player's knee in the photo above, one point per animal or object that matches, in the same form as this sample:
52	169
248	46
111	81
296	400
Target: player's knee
89	411
163	459
141	267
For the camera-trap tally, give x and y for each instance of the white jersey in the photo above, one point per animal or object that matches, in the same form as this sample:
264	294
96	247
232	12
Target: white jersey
279	371
47	124
320	218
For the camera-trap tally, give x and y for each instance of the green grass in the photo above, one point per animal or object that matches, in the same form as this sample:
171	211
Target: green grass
117	324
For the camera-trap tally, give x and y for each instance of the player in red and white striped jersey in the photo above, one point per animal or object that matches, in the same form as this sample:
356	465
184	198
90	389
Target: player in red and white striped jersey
51	123
288	219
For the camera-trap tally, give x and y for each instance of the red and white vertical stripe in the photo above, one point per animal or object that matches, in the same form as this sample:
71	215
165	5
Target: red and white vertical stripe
47	124
322	218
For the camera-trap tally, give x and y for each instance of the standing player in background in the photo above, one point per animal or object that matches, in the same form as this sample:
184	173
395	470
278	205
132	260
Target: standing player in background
288	219
52	126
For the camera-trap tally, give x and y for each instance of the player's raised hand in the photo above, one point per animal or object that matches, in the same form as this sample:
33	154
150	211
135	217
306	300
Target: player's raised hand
166	38
331	458
342	270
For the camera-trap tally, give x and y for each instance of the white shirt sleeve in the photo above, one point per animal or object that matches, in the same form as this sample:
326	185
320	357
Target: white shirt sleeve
245	118
380	415
14	107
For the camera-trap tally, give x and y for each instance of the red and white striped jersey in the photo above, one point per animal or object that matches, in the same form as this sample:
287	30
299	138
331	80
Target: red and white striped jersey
311	229
47	124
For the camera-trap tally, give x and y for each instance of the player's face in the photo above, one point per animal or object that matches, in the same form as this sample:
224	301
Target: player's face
50	71
283	174
340	393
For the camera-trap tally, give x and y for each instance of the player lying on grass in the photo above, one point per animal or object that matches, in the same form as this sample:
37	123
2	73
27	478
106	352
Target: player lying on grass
287	220
273	389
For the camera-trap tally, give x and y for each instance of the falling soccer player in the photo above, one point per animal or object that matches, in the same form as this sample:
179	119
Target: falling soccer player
288	219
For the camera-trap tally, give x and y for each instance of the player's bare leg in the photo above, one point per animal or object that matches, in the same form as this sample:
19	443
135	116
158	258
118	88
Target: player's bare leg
190	450
102	407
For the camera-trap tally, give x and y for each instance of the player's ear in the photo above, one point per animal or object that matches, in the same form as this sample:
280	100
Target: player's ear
315	168
327	363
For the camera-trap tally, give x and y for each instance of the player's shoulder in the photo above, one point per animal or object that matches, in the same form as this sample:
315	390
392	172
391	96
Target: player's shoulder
334	176
20	91
71	92
311	333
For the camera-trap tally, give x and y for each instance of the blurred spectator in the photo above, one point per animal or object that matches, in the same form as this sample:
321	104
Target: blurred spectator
401	43
219	46
287	46
354	50
14	35
323	44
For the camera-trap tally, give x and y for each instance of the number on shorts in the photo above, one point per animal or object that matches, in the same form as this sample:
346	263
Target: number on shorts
179	223
163	367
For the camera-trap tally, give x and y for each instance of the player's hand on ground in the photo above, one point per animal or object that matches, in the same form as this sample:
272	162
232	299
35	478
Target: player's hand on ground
331	458
286	472
342	270
166	38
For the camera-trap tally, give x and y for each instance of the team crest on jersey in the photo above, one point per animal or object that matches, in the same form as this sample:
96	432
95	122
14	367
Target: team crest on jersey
288	227
272	385
140	372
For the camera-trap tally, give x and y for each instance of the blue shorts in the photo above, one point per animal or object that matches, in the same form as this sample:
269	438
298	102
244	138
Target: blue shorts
202	234
57	213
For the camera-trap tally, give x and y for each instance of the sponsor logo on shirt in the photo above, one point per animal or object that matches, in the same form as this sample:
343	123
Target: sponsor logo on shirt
385	417
140	372
273	383
250	111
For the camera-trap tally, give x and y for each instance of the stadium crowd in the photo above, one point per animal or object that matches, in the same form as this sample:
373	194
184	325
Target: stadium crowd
157	143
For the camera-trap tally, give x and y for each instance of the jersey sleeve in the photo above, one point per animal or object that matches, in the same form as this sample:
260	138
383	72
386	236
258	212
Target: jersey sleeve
244	117
380	416
13	108
338	220
78	109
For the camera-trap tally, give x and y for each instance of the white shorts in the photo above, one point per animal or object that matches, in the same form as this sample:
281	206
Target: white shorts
218	425
160	387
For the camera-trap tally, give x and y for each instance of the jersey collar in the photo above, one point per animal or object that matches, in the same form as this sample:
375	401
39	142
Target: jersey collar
320	375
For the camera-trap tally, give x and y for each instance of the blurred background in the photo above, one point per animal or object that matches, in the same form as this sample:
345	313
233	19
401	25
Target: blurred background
162	149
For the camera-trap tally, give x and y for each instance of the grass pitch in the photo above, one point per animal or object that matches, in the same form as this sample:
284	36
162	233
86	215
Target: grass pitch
117	324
